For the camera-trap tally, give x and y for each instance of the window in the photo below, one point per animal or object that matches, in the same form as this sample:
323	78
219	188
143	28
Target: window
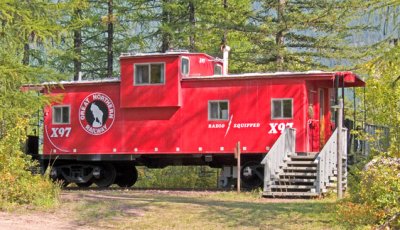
185	66
282	108
146	74
218	110
217	69
61	115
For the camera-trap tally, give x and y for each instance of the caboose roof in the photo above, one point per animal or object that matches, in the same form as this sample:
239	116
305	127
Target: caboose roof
170	53
350	78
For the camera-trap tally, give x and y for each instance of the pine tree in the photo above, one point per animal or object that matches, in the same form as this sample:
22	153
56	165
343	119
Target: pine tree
302	35
27	30
202	26
382	69
112	28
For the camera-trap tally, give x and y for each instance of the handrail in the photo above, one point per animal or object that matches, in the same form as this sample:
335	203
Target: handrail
280	151
327	160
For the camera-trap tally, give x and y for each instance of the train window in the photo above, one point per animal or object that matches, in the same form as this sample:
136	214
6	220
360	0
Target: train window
185	66
282	108
61	114
152	73
217	69
218	110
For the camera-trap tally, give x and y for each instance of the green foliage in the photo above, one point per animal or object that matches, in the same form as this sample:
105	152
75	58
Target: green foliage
303	35
191	177
375	199
381	65
27	28
383	94
18	185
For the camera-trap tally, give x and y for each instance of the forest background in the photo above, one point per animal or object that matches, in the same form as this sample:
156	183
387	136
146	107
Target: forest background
48	40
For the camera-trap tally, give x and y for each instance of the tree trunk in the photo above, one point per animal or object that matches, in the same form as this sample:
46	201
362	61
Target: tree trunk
192	21
77	48
224	38
25	58
165	36
110	37
279	39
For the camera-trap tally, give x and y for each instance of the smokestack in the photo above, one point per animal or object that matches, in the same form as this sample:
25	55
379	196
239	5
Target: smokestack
225	50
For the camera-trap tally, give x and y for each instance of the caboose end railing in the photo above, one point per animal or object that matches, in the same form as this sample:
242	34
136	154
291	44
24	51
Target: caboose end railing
327	162
277	155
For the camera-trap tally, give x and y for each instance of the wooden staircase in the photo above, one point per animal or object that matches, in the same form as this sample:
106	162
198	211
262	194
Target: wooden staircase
297	178
290	174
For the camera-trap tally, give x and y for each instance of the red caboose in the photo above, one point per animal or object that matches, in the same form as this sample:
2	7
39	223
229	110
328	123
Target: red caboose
179	108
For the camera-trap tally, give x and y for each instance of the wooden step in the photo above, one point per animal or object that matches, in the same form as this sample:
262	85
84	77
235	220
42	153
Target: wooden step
300	174
295	180
300	168
290	194
293	186
301	163
296	157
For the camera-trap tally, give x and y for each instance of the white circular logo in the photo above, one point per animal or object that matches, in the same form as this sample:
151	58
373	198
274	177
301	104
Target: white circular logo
96	113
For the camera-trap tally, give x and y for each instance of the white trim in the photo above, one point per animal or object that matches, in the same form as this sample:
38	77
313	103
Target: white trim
61	106
281	117
149	66
188	68
220	66
51	142
209	112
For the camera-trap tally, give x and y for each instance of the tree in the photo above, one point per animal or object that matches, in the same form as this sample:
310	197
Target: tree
202	26
302	35
381	66
27	28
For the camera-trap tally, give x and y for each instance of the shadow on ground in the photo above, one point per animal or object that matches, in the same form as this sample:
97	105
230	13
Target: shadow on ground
136	205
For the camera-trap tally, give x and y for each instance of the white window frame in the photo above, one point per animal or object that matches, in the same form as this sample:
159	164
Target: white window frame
281	117
219	109
220	66
62	122
149	66
188	68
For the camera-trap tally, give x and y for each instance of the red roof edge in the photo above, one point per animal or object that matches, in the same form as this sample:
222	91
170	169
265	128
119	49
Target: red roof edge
350	79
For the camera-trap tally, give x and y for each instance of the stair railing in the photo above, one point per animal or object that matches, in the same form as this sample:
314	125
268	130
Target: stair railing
274	160
327	161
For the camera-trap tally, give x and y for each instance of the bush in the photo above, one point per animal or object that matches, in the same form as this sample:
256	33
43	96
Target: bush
376	200
191	177
18	185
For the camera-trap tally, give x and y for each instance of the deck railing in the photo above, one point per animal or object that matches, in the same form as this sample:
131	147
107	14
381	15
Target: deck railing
280	151
327	161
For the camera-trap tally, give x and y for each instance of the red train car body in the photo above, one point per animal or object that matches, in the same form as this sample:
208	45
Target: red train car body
178	108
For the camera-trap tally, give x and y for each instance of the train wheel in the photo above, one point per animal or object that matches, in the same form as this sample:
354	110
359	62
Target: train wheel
84	185
252	174
127	175
107	176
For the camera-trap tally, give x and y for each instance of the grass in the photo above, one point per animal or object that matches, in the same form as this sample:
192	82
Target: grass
199	210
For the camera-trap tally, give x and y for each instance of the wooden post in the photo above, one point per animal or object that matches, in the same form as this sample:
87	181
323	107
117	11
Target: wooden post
237	156
339	150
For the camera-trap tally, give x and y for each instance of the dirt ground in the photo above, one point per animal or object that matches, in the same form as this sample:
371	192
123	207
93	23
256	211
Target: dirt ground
66	215
26	218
